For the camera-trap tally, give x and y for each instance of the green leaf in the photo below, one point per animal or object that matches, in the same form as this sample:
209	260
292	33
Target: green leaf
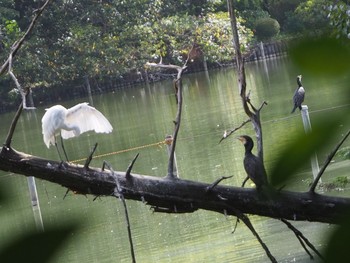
338	244
301	148
322	56
36	246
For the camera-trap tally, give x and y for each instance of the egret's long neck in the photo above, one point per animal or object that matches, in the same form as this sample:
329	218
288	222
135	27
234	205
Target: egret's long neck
71	127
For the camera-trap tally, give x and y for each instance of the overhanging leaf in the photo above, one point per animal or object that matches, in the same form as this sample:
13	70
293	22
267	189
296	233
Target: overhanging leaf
300	150
322	56
338	244
36	246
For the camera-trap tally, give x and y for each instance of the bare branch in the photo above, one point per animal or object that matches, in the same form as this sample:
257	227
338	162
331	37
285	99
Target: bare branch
227	134
244	181
128	171
247	222
22	91
88	160
302	239
253	115
327	162
7	144
211	187
119	193
177	122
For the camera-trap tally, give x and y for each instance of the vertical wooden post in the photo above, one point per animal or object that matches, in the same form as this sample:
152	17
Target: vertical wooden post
168	142
307	127
35	203
262	50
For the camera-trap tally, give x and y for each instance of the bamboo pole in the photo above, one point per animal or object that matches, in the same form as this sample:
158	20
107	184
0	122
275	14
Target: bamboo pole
35	203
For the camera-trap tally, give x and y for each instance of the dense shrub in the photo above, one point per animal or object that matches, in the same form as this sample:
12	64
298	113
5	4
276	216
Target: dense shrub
266	28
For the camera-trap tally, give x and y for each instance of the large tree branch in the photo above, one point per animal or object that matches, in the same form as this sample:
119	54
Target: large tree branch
178	195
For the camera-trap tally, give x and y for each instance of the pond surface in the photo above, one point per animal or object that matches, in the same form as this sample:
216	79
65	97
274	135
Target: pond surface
142	116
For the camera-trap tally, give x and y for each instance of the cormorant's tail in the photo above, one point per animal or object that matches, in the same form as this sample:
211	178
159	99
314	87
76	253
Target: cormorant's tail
293	110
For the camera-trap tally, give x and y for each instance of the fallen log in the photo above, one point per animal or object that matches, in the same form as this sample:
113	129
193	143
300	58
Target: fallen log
174	195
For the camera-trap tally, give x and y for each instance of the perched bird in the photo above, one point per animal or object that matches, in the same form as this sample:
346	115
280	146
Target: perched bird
71	123
299	95
252	164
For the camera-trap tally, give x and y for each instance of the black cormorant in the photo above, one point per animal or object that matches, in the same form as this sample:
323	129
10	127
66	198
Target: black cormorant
253	164
299	95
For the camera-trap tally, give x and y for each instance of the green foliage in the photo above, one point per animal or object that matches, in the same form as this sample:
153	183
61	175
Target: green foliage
339	17
74	39
309	14
344	153
36	246
266	28
322	56
341	181
280	9
301	148
337	247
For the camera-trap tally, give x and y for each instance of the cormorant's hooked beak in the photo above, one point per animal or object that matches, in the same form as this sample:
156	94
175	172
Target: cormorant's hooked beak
242	139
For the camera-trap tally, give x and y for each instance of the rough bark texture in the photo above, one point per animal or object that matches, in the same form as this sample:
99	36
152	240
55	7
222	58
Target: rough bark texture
177	195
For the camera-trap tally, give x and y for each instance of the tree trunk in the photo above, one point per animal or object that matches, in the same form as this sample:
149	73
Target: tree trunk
177	195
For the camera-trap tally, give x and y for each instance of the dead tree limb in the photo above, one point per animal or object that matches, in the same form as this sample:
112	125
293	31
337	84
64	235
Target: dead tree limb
250	226
119	193
253	114
302	239
177	122
11	131
185	195
22	91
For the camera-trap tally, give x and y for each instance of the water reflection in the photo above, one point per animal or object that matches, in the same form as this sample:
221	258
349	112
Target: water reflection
144	115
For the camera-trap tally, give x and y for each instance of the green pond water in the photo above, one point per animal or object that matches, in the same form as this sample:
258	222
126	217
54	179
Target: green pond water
141	117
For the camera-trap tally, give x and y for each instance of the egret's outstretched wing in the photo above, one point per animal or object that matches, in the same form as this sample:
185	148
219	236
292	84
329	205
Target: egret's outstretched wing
86	118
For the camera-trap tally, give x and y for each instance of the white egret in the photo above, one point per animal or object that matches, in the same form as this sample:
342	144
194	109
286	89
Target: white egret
71	123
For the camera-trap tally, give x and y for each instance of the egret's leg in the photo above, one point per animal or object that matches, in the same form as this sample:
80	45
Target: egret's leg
59	154
64	150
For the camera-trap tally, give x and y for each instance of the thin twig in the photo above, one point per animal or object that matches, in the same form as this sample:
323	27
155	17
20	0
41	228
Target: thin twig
300	236
244	181
23	92
235	227
119	193
88	160
227	134
216	182
9	136
248	223
128	171
327	162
